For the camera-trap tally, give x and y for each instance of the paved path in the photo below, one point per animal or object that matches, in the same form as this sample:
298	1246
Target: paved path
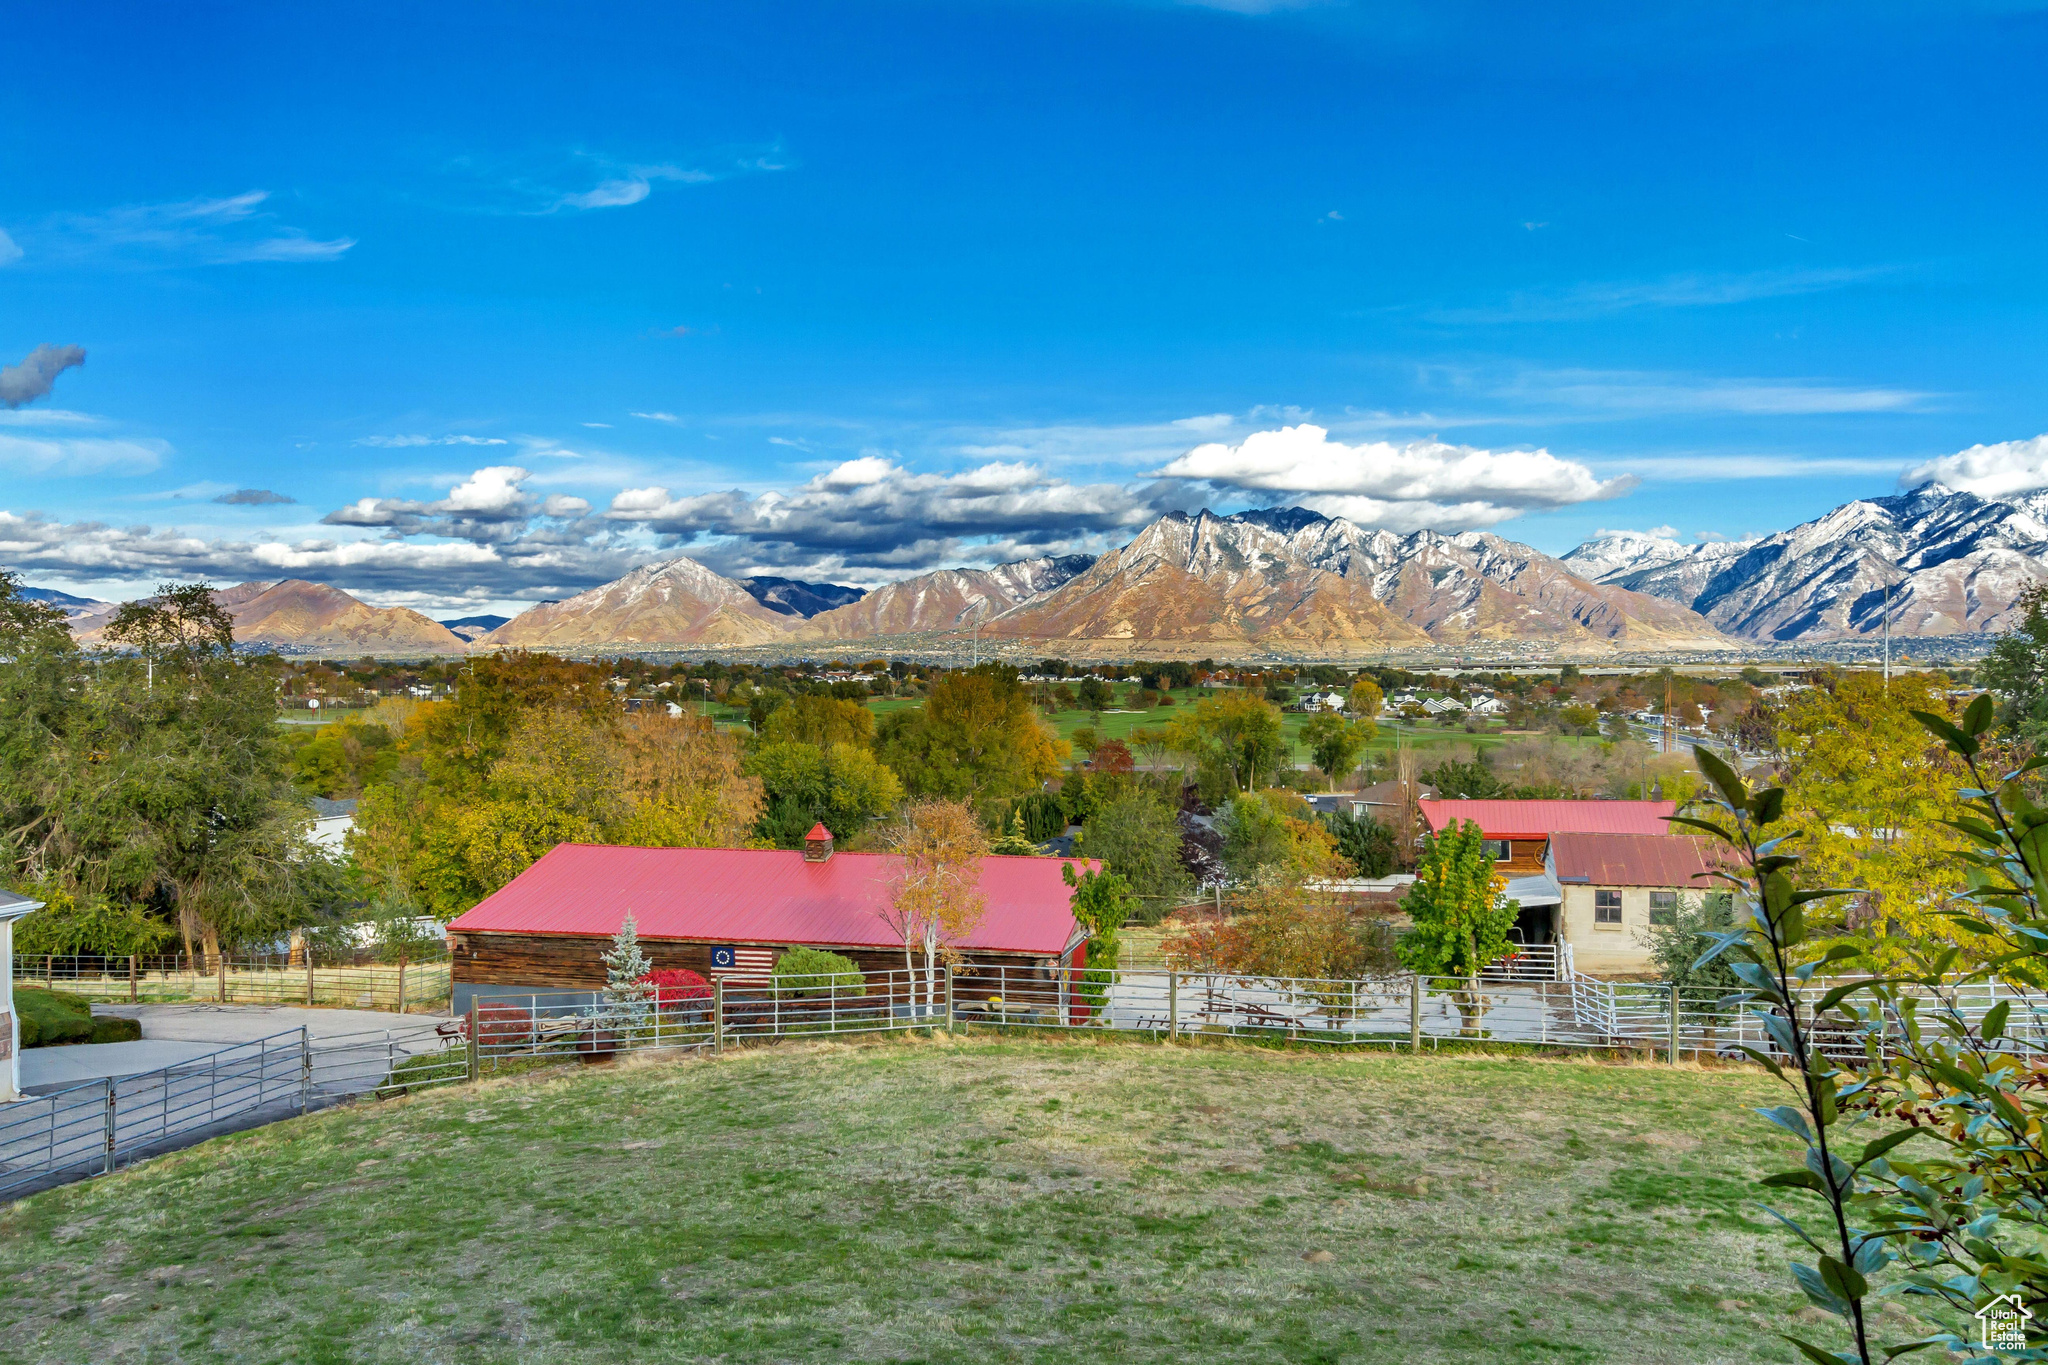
47	1068
222	1024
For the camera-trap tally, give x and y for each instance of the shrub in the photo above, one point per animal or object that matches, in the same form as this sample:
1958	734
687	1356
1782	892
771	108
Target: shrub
802	973
671	986
53	1019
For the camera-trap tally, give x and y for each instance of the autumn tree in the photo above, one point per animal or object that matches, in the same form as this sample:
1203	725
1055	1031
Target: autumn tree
1461	912
1365	699
1234	738
820	722
936	899
1870	790
842	785
977	737
1335	744
577	775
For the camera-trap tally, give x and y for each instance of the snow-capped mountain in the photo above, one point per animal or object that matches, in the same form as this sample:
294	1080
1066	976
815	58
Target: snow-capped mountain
1948	562
947	599
1294	578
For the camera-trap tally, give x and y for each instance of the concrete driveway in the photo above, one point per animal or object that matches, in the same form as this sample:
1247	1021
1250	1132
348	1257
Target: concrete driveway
180	1033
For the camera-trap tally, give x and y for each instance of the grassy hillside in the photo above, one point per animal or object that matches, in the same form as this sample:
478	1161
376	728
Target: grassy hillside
1043	1201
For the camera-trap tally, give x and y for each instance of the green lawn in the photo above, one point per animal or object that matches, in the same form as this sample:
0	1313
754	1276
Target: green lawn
945	1201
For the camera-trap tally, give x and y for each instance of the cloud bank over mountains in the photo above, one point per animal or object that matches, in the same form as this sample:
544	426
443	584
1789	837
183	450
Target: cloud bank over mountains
1413	486
871	519
2001	470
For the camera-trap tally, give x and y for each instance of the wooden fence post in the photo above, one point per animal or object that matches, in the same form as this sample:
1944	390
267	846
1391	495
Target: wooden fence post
473	1041
309	973
401	985
718	1014
1415	1012
949	997
131	978
1671	1054
1172	1003
223	960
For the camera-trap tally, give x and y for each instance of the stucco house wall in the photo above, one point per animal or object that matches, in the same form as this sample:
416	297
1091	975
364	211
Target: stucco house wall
1603	949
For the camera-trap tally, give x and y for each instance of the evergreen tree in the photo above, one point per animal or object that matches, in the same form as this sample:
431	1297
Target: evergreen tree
625	965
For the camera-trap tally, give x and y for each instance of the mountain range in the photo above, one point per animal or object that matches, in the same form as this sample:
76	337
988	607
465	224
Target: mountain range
1930	562
1288	579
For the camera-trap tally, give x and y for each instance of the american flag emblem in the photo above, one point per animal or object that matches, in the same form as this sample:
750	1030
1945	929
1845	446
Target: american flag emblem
729	960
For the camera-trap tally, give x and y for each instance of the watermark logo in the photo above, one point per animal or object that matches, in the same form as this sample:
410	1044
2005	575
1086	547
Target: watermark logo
2002	1323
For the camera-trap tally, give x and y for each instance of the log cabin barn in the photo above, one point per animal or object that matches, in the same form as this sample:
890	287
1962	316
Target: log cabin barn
732	912
1520	832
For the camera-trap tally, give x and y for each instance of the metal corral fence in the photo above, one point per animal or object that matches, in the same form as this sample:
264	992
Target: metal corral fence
408	987
94	1127
1400	1011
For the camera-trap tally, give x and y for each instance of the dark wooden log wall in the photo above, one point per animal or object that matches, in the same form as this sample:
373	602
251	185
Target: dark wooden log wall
575	963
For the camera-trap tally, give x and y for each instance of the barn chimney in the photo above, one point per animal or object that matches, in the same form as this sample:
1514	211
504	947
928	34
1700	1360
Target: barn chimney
818	844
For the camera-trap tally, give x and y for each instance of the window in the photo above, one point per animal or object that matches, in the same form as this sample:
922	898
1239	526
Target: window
1663	907
1503	850
1607	907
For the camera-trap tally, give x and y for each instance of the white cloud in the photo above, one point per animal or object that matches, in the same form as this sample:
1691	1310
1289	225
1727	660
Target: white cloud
227	231
2000	470
9	252
1691	290
601	426
656	416
71	456
46	417
401	442
1628	394
1404	486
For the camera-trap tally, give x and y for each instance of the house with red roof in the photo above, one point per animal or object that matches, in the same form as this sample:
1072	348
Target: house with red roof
1522	833
734	911
1615	887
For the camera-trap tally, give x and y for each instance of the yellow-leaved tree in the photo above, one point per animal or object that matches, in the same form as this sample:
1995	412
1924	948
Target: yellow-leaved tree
936	900
562	776
1868	788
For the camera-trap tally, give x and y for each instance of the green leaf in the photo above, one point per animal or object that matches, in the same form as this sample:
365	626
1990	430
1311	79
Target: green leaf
1724	778
1817	1355
1977	719
1880	1146
1994	1019
1957	740
1801	1180
1769	806
1846	1282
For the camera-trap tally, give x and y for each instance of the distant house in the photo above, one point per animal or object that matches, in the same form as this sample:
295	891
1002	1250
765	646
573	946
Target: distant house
332	820
734	911
1521	833
1614	887
1321	701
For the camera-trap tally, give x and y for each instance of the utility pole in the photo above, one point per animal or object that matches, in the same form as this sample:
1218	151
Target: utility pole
1887	637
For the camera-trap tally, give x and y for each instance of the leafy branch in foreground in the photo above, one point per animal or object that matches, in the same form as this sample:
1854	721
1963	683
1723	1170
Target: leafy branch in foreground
1964	1062
1764	951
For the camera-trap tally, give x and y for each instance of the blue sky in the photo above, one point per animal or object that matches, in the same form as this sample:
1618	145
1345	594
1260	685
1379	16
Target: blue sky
849	292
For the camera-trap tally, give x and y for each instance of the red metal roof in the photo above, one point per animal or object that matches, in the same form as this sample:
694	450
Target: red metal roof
1541	819
818	831
1635	860
747	895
